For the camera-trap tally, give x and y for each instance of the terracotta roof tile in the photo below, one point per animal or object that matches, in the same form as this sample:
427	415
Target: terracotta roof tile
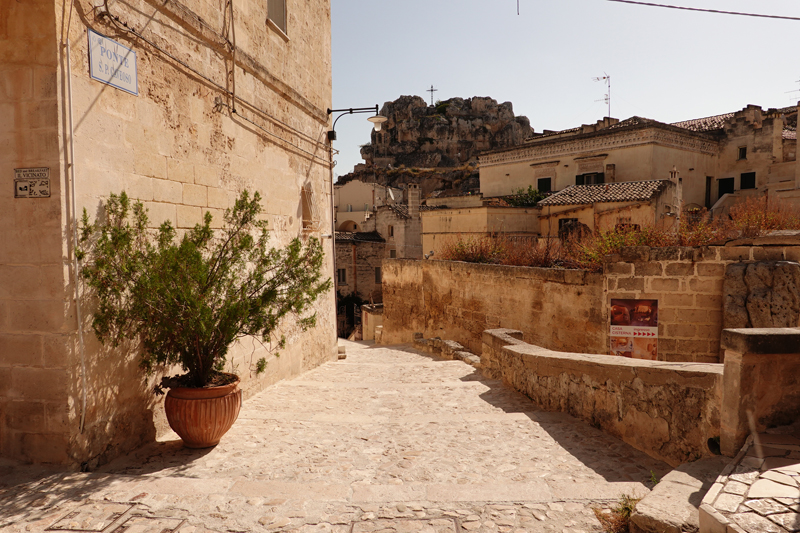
629	191
715	122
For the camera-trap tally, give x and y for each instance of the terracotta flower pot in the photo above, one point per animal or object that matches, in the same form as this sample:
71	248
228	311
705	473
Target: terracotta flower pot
202	416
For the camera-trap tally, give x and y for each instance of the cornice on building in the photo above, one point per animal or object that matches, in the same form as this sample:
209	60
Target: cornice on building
591	143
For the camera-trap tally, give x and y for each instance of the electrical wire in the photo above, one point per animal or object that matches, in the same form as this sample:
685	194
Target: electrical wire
706	10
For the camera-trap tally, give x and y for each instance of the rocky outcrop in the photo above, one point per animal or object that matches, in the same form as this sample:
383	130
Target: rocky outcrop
431	181
765	294
448	134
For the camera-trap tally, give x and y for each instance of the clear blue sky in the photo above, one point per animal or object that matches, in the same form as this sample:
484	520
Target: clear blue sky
664	64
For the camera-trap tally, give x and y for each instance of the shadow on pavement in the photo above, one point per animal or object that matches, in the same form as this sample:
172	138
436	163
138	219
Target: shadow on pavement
605	454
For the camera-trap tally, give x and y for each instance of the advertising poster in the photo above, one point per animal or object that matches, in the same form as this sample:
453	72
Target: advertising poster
634	328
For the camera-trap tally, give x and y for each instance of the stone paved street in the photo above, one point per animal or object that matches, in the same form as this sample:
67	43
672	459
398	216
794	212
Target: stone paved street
385	440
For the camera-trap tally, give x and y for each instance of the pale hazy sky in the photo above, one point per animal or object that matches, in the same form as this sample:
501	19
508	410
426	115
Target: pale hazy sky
664	64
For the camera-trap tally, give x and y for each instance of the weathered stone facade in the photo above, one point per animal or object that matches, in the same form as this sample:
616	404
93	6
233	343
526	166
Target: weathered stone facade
568	310
722	158
184	146
559	309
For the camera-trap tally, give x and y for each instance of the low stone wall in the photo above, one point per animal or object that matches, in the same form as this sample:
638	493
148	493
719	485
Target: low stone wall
667	410
560	309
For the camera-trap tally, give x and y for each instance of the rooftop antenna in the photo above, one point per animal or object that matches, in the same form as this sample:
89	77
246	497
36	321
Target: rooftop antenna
431	90
606	78
794	91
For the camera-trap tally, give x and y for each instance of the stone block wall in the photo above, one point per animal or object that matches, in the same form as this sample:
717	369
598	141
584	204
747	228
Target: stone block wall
560	309
667	410
179	148
688	284
36	311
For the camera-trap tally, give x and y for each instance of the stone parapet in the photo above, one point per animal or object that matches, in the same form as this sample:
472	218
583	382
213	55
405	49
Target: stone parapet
668	410
760	386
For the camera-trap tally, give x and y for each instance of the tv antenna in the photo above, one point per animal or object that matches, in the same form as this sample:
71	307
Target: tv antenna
431	90
606	78
794	91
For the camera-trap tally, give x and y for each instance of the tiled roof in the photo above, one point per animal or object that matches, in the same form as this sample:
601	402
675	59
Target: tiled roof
629	191
359	236
704	124
789	133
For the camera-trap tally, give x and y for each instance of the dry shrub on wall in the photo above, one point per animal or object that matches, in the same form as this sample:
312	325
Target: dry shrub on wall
751	218
758	215
501	249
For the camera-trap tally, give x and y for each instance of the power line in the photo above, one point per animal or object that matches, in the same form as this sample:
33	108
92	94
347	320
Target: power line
706	10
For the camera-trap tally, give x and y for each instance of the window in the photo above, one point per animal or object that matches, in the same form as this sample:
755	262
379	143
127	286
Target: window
624	225
377	274
391	231
276	14
366	207
725	186
544	184
748	180
349	208
392	254
593	178
311	219
341	276
742	153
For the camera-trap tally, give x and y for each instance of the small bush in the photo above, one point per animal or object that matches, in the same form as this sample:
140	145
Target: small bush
525	198
619	519
751	218
756	216
505	250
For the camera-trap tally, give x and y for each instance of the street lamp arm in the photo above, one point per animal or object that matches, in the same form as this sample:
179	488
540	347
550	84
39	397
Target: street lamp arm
350	111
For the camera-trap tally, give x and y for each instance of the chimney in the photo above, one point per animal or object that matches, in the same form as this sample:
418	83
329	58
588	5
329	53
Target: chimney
413	200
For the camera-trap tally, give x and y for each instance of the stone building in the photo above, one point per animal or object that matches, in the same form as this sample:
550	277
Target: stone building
400	224
356	200
721	159
359	263
609	206
182	105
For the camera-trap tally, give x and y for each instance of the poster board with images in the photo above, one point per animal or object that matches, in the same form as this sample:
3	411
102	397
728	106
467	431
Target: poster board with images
634	328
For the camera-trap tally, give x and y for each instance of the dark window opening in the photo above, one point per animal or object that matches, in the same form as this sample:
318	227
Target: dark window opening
341	276
748	180
742	152
377	274
725	187
709	179
276	13
392	254
592	178
544	184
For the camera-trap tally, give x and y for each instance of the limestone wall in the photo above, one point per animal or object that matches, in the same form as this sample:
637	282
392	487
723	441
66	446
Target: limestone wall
567	310
668	411
36	311
178	147
688	284
560	309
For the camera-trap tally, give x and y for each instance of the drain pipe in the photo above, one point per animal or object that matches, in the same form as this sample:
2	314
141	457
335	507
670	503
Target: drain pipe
76	264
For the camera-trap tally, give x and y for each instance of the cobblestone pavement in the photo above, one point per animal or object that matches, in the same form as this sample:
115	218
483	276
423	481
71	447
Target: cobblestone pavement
387	440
